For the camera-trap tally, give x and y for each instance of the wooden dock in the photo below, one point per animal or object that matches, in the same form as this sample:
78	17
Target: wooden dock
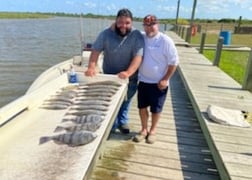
206	84
180	152
189	145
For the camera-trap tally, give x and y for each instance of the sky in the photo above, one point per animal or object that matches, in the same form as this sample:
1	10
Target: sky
205	9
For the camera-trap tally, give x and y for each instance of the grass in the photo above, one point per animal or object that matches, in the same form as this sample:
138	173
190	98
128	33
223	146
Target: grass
236	39
18	15
232	62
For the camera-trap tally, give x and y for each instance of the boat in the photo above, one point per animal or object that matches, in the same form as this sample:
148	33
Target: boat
26	121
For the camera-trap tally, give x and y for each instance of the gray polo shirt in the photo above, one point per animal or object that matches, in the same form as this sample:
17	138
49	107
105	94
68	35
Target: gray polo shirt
119	51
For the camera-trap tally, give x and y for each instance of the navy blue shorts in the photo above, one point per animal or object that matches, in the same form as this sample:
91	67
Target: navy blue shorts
150	95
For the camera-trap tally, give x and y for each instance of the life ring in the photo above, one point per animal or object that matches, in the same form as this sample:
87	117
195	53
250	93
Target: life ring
194	30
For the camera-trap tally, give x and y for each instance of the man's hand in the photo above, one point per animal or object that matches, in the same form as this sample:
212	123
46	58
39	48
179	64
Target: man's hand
162	84
90	72
123	75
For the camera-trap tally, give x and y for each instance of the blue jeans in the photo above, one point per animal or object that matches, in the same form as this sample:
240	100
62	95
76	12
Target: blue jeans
122	116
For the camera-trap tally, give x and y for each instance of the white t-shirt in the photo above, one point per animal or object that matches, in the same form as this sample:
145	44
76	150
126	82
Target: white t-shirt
159	53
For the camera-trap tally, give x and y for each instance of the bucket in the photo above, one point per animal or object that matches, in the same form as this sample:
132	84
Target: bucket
226	37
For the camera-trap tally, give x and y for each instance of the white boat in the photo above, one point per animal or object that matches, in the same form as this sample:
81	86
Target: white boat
23	122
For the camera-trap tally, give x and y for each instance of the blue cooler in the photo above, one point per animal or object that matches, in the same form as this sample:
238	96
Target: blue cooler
226	37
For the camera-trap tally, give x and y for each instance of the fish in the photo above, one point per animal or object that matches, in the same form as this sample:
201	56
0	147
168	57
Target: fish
47	103
75	138
89	107
67	94
55	106
91	102
85	112
91	118
89	126
59	98
106	83
96	94
94	98
70	87
97	89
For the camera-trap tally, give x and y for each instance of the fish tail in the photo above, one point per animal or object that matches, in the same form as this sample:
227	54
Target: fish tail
64	120
44	139
59	128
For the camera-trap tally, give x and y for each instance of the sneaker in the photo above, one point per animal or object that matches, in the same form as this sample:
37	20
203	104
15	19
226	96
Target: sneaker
139	137
151	138
124	129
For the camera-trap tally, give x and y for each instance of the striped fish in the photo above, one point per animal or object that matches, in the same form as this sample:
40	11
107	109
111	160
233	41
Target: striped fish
55	106
98	88
106	83
95	98
86	112
90	107
60	99
48	102
91	102
67	94
85	126
95	94
76	138
91	118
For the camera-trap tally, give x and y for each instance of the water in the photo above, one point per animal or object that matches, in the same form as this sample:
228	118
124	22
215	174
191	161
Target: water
30	46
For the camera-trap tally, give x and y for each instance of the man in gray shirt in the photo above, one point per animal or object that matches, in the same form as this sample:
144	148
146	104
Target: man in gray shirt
122	46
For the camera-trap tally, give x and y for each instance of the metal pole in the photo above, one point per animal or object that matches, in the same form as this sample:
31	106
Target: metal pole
177	15
189	31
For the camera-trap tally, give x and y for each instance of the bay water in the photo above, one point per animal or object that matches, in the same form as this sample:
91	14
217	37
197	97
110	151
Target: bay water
30	46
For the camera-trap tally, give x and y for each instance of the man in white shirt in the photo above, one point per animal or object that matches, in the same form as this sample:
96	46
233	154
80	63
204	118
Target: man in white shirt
159	64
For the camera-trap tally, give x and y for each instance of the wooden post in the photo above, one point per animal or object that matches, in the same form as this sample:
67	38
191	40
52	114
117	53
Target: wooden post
218	51
179	30
221	28
199	28
202	43
239	25
183	31
247	83
188	34
189	30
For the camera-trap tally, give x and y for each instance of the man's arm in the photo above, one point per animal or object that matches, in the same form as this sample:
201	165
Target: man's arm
170	71
133	67
91	71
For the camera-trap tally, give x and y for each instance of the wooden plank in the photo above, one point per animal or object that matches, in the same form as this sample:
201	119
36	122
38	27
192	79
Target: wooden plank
105	173
156	172
171	153
207	84
180	151
172	163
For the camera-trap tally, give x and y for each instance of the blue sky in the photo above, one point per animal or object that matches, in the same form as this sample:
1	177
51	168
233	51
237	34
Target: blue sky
206	9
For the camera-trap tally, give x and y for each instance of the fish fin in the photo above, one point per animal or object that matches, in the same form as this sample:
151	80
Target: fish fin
44	139
59	128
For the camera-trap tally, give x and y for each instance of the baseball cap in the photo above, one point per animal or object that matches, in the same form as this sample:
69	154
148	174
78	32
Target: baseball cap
150	20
